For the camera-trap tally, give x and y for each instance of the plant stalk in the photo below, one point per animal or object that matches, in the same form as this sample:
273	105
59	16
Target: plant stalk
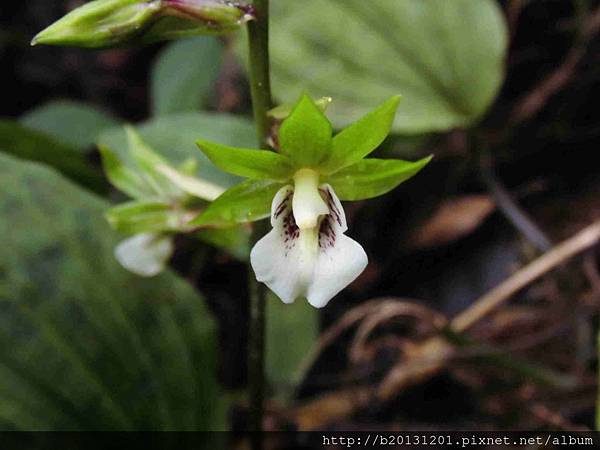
260	83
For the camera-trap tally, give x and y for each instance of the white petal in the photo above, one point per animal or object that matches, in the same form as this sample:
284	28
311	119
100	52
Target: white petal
340	259
308	205
335	268
145	254
280	259
313	263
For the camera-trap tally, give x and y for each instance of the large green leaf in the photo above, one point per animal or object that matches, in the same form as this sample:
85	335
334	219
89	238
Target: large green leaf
174	138
73	123
86	344
445	57
26	143
184	74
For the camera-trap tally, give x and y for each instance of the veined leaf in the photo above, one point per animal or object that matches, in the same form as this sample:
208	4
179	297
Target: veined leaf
445	57
130	353
183	75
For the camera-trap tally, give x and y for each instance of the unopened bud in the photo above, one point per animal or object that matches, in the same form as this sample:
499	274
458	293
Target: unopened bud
106	23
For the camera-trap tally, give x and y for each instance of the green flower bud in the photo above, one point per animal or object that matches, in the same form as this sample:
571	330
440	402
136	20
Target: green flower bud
106	23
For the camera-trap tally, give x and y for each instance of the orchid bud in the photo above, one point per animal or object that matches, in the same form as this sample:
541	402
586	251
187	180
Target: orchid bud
215	14
106	23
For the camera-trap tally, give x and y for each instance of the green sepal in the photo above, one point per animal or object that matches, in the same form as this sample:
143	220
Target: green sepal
362	137
305	136
149	163
249	163
100	23
107	23
191	185
246	202
122	177
147	217
373	177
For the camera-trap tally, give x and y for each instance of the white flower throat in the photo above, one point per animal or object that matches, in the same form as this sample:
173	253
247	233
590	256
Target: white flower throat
307	254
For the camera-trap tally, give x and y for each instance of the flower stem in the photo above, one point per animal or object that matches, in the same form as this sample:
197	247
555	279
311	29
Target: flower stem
260	80
260	83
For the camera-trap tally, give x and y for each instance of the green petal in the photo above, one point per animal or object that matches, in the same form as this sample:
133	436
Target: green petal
305	136
373	177
122	177
147	217
246	202
362	137
249	163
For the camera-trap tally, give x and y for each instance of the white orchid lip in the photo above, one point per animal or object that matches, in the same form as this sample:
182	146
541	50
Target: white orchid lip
315	260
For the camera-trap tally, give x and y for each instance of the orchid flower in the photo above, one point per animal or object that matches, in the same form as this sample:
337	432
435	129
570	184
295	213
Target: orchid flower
165	200
307	254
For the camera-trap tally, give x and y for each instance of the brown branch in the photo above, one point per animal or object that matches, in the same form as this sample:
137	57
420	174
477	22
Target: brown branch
582	241
510	209
531	103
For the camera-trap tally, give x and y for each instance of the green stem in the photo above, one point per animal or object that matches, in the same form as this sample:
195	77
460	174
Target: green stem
258	37
260	80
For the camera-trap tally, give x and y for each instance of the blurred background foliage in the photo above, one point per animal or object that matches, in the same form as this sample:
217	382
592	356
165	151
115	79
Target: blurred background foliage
502	92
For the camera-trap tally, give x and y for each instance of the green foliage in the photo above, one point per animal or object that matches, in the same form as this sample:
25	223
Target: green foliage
355	142
305	136
73	123
124	178
184	74
173	138
373	177
27	143
292	332
445	57
305	141
250	163
167	199
107	23
145	217
245	202
92	347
